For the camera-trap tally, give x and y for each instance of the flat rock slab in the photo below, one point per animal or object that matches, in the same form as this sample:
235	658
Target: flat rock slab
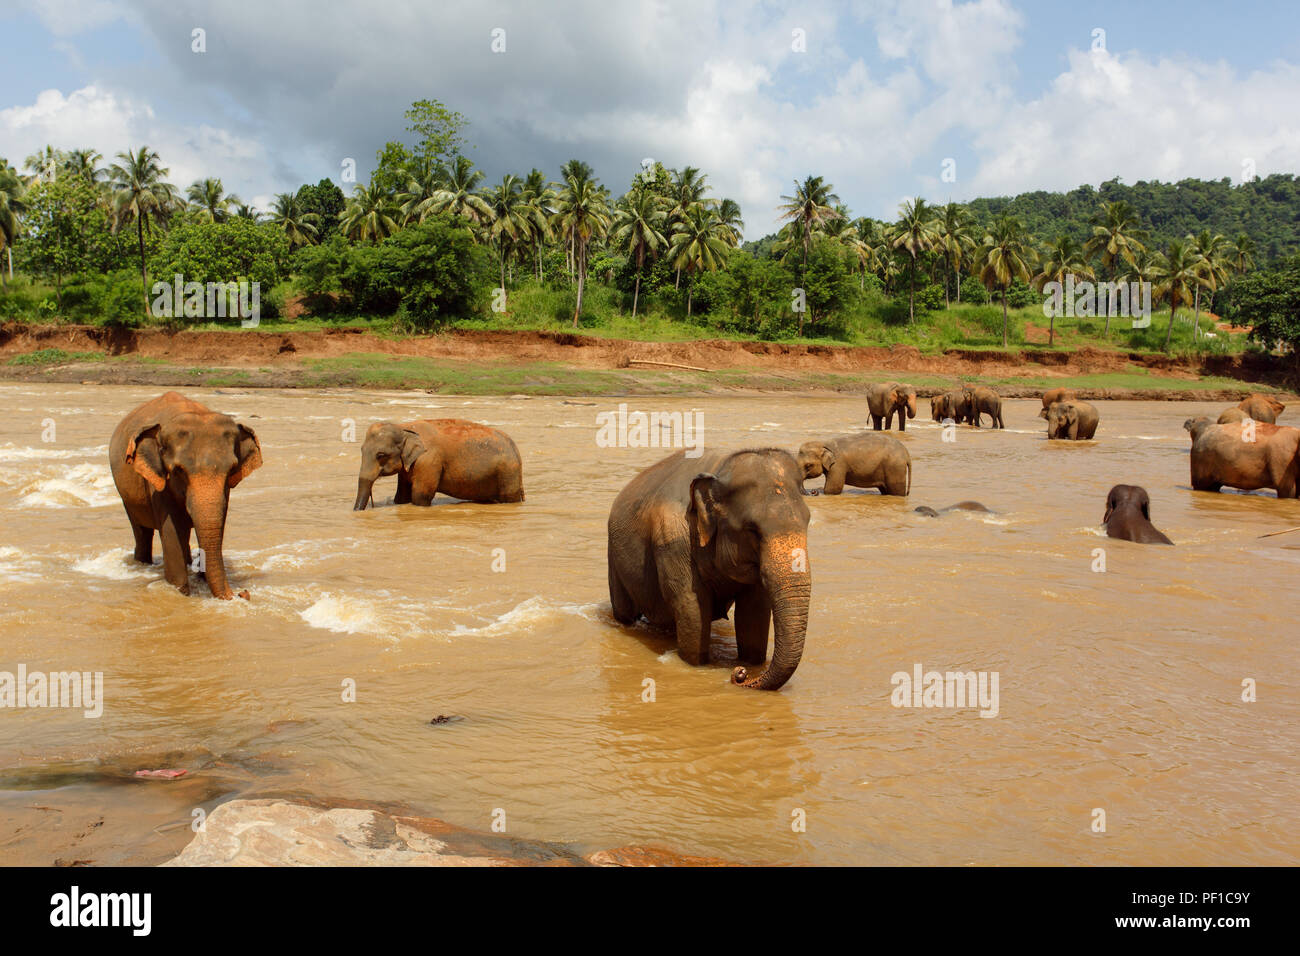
279	832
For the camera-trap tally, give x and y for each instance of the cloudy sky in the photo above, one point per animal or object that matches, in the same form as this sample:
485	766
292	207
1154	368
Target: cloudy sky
878	97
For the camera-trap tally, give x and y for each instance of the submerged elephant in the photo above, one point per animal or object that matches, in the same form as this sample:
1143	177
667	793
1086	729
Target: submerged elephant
1054	395
1224	455
863	460
1075	420
690	537
1261	408
174	463
1128	516
449	455
890	398
983	400
973	506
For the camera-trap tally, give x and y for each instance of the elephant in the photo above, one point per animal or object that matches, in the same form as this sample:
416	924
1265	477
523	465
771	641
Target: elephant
1054	395
1128	516
450	455
983	400
953	405
174	463
1223	455
927	512
884	400
1262	408
1075	420
863	460
1233	414
690	537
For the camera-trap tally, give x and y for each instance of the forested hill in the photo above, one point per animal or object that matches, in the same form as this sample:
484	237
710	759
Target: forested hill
1268	210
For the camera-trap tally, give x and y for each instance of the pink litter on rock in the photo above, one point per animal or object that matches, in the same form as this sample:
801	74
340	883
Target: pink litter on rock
161	773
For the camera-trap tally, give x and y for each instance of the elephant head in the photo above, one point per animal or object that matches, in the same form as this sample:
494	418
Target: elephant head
907	399
1127	496
815	459
749	529
198	458
938	403
1062	421
388	449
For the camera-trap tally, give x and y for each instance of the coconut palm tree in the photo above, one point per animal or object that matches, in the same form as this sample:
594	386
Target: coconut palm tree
582	213
457	196
245	211
1141	271
1004	257
299	226
1176	274
1062	257
810	209
84	163
44	164
510	223
1116	234
731	222
370	213
915	232
638	228
212	202
422	187
699	244
1212	251
689	189
540	199
1242	254
12	207
956	231
141	194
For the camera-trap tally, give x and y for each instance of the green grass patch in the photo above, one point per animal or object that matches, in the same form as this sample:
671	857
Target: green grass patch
55	357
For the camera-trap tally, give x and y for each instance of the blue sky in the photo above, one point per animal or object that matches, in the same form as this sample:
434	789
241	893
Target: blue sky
1012	92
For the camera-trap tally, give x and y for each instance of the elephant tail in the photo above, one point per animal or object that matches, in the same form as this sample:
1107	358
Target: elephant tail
909	476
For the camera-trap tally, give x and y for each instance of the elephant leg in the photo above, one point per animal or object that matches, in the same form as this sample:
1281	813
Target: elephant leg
875	422
692	618
403	496
510	485
753	619
835	479
143	543
426	489
620	601
176	570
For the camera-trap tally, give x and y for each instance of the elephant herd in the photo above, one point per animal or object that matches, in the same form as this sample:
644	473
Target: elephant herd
689	538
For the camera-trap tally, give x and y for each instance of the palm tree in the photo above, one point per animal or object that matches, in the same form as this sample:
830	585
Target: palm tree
1212	251
211	199
85	164
12	206
1004	257
422	188
638	229
510	223
689	188
582	213
729	218
915	232
141	194
860	235
370	214
457	196
1242	254
1063	256
44	164
956	240
1116	234
539	197
810	209
1176	273
699	244
301	227
245	211
1141	271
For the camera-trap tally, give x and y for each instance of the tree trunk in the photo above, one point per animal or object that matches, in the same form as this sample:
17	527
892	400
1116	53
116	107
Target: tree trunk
1196	322
144	281
911	295
580	264
1004	318
1169	335
636	293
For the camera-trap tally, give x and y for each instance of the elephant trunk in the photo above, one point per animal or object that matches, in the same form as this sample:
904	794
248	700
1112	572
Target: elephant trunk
786	576
364	485
206	503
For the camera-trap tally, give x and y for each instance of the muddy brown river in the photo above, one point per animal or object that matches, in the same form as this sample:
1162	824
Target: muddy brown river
1118	691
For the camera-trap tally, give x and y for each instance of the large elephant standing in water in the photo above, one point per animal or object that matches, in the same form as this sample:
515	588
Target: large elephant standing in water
1076	421
449	455
1265	456
690	537
174	463
864	460
886	400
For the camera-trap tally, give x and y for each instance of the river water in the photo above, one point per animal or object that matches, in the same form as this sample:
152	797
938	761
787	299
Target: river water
1118	691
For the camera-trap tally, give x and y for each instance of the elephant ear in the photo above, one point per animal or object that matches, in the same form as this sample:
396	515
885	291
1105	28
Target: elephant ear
828	458
1145	503
1110	507
412	448
249	452
144	455
704	506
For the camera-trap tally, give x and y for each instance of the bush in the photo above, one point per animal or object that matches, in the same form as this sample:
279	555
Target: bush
117	299
973	291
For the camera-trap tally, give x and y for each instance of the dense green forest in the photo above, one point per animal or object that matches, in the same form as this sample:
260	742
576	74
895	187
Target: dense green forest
426	243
